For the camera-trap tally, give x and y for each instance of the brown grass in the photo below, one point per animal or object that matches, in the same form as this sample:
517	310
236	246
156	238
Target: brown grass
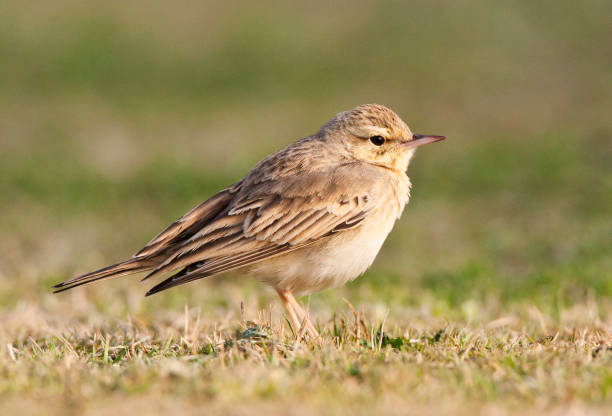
405	361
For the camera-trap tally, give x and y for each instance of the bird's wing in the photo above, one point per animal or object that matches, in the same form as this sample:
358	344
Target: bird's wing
269	217
188	224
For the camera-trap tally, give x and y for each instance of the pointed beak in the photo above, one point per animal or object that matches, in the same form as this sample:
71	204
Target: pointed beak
421	139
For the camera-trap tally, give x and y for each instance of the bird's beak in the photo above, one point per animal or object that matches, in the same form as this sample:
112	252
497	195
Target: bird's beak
421	139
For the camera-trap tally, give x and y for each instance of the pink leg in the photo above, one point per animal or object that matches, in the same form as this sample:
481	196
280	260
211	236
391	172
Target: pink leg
297	316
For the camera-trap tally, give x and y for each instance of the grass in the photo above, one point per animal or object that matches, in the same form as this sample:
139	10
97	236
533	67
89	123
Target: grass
493	294
402	361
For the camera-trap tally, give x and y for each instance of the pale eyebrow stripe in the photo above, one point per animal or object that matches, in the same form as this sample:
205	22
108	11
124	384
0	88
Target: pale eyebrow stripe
370	131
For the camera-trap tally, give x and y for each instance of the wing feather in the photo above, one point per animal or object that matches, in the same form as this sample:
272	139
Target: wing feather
267	218
194	219
216	267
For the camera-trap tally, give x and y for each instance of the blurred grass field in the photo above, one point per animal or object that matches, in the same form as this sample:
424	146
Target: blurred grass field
493	291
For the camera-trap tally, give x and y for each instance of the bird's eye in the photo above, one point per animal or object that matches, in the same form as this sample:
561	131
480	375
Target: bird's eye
377	140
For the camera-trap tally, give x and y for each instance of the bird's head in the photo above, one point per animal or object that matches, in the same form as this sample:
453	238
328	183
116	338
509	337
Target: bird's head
375	134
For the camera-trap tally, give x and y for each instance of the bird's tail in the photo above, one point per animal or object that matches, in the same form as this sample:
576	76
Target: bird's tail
123	268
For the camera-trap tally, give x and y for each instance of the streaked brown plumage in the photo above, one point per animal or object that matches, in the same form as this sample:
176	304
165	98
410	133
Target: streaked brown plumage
310	216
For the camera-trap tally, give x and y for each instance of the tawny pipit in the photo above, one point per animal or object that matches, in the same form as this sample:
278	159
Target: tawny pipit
308	217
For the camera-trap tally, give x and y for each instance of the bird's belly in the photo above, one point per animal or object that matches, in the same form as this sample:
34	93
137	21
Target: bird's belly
331	263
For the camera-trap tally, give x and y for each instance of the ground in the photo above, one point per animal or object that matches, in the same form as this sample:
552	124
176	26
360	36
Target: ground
490	359
492	295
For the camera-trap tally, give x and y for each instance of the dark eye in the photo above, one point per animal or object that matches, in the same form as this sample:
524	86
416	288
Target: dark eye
377	140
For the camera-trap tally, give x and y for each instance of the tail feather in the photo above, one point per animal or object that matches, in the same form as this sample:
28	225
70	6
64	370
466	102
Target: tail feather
120	269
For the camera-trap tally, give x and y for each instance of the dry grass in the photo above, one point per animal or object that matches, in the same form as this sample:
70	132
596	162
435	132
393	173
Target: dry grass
403	361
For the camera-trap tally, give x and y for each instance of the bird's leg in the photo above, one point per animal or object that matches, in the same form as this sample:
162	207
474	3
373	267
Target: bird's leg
285	296
303	316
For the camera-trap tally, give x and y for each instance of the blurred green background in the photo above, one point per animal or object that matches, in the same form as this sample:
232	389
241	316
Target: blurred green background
117	117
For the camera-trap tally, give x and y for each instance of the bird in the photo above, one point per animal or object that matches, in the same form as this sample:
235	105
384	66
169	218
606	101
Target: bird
311	216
